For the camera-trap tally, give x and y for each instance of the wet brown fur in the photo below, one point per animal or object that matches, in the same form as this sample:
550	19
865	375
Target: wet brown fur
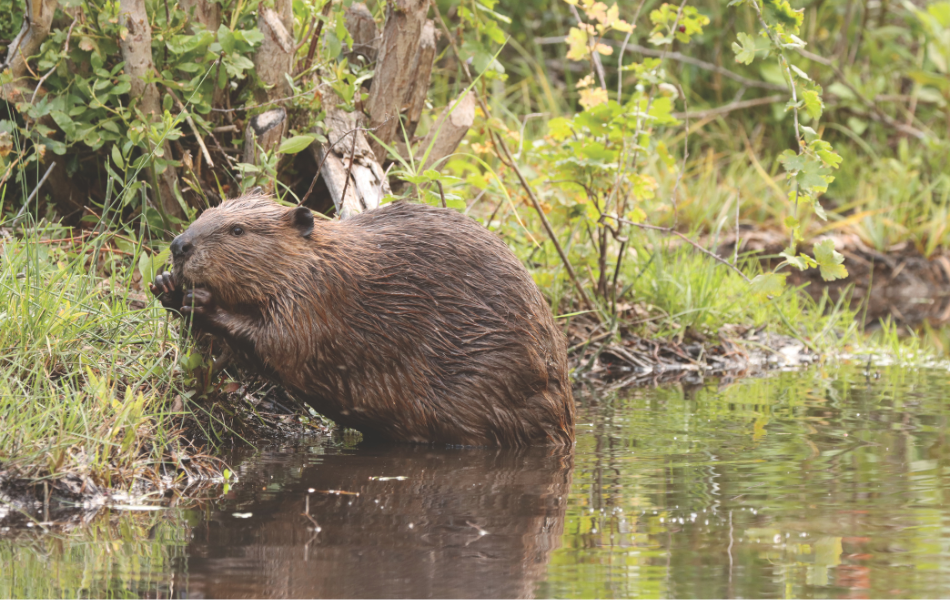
407	323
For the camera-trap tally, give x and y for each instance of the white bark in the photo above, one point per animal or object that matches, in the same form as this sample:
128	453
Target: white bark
348	163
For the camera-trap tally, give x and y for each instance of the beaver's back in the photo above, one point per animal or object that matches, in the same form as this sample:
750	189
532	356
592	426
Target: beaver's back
442	333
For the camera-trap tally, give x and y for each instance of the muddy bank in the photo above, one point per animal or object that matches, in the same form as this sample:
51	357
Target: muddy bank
901	284
248	413
262	413
627	359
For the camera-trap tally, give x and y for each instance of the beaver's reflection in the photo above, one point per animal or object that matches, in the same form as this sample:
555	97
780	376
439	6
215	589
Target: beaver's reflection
467	522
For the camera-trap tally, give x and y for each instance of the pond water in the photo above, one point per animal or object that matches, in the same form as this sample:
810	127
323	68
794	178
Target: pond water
814	484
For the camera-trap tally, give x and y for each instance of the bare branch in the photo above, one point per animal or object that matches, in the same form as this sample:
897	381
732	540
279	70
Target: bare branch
671	231
679	57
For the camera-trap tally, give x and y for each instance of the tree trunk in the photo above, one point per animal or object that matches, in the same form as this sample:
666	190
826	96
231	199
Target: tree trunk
448	131
394	68
273	59
273	62
264	132
206	12
137	53
415	99
363	30
36	25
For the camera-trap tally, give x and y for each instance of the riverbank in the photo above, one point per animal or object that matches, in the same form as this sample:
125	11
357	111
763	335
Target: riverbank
104	402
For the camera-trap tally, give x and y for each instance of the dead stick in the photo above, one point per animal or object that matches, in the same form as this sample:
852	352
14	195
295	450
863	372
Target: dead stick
326	153
671	231
316	36
194	128
739	105
349	170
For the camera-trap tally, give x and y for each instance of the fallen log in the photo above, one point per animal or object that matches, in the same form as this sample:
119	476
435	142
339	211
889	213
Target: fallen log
353	176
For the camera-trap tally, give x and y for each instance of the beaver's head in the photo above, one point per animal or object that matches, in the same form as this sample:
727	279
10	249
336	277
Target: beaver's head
244	250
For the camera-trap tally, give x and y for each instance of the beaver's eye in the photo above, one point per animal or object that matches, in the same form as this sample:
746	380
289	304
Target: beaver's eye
237	230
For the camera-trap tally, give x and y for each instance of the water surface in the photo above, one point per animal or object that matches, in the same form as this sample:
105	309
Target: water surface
814	484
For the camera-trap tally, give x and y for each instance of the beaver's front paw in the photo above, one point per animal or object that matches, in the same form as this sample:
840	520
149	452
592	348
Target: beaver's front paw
166	290
198	302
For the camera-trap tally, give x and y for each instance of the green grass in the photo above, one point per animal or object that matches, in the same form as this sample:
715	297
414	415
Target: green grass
87	377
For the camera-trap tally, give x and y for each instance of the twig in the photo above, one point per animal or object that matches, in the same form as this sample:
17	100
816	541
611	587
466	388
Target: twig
22	211
306	34
441	193
677	56
883	116
326	153
349	170
623	49
39	83
735	256
316	36
263	104
191	123
679	176
728	108
671	231
509	162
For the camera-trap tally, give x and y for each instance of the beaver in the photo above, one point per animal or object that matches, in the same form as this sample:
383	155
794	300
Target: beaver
407	323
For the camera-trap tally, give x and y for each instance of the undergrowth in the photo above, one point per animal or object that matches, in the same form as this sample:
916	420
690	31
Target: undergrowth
96	381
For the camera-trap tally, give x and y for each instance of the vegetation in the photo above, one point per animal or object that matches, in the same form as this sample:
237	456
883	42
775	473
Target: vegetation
614	147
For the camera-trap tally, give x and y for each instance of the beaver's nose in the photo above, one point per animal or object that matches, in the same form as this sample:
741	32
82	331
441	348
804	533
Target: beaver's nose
180	247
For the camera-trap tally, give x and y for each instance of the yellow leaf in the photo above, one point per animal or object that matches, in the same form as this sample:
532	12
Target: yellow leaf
591	97
577	44
585	82
604	49
597	11
623	26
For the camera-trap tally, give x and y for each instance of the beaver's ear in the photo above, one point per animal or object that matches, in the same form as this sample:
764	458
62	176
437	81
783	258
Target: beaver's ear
302	218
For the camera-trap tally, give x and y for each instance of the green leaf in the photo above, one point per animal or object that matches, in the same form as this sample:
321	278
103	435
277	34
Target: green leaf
813	104
829	261
826	153
64	122
796	261
149	265
795	226
768	284
791	161
749	47
296	144
814	177
117	157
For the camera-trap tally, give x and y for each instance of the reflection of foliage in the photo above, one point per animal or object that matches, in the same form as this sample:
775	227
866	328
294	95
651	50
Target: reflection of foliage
122	554
777	487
